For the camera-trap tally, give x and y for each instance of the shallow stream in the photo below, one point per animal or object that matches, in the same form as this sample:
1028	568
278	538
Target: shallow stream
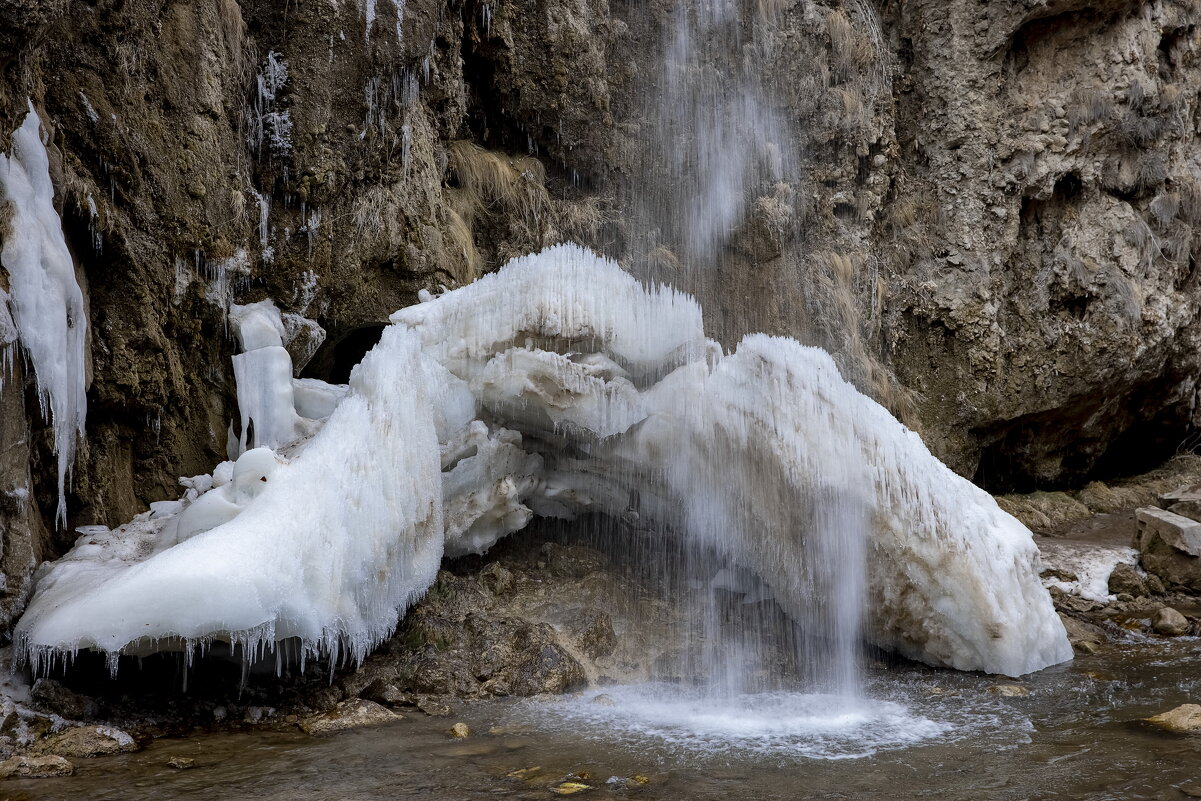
928	734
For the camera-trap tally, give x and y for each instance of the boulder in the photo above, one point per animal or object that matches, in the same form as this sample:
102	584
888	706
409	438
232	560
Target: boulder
1170	622
27	766
52	696
1187	493
353	714
1127	579
1084	637
1169	546
1189	508
1184	719
83	742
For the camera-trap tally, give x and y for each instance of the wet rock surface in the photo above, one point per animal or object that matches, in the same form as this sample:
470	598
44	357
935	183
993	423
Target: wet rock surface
1184	719
82	742
347	715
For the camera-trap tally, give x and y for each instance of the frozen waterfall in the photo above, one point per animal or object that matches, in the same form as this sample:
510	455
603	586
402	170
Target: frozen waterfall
555	387
47	304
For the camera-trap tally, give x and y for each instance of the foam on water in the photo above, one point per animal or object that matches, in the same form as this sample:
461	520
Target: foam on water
673	722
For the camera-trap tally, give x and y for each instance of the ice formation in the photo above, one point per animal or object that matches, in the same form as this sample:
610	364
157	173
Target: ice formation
47	308
557	386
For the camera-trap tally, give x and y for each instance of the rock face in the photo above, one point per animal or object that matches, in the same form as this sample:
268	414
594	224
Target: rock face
457	647
995	204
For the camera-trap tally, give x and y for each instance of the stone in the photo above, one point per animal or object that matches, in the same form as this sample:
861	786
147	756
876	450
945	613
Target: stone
388	694
353	714
434	707
181	762
497	578
54	697
460	730
1084	637
1189	508
1009	690
1189	493
1170	622
1169	546
604	699
27	766
570	788
1127	579
1184	719
573	561
83	742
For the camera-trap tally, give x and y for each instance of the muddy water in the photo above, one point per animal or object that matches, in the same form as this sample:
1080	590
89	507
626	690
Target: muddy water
927	734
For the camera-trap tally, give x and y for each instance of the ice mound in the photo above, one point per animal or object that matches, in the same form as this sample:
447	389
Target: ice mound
557	386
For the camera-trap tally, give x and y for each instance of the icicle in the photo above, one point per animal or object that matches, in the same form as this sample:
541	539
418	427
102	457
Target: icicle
44	298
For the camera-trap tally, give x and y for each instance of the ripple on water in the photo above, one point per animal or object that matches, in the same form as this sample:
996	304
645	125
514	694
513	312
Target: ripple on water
673	722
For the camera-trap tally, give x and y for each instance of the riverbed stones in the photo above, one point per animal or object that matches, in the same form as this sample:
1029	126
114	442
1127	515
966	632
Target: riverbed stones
83	742
1009	690
1170	622
28	766
460	730
1184	719
181	762
1170	547
353	714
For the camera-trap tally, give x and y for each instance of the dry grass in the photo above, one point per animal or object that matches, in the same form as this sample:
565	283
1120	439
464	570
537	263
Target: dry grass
842	282
463	261
490	181
1189	191
1089	107
1165	207
850	50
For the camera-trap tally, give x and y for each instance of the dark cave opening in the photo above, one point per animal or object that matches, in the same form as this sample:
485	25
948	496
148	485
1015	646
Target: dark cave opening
334	360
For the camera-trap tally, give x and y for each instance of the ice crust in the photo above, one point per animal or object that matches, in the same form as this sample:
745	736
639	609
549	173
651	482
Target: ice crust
557	386
46	304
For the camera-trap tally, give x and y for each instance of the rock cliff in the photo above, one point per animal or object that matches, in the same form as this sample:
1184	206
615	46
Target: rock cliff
984	210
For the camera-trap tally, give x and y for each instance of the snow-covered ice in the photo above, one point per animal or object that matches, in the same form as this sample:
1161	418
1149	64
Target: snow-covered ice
555	387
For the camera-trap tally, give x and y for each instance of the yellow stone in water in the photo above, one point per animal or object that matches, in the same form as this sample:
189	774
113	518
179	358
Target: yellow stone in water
460	730
525	774
638	777
1009	690
570	788
1184	719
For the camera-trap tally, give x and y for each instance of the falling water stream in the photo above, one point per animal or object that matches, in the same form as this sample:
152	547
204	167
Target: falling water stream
753	703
